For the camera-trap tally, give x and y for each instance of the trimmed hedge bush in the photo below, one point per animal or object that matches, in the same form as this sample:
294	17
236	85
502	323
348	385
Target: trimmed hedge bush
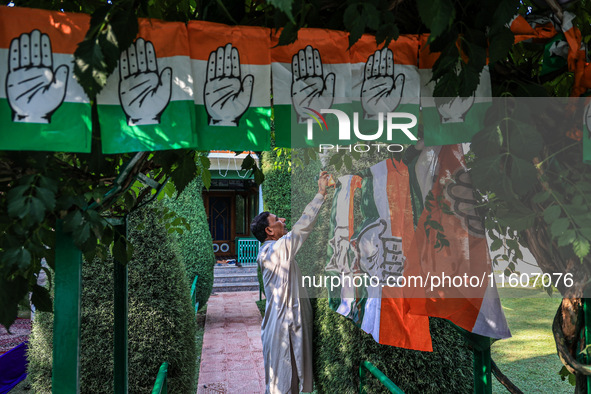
161	319
195	246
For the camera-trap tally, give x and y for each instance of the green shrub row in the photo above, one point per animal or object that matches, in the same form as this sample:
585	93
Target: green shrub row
195	245
161	319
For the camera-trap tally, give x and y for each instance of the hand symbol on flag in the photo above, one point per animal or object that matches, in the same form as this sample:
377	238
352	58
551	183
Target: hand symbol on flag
33	88
227	97
455	110
309	88
144	94
380	92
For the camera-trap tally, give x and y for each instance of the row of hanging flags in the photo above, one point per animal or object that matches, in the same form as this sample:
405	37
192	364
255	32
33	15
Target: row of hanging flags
208	86
390	242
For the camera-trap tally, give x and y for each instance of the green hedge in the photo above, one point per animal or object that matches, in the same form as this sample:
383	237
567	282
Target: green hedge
161	320
340	348
195	246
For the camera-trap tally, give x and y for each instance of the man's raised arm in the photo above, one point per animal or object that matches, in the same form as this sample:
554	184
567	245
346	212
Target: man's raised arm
301	230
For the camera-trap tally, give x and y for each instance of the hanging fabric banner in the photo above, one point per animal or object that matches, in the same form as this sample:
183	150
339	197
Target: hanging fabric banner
474	303
42	106
232	79
147	104
377	250
309	76
385	80
450	120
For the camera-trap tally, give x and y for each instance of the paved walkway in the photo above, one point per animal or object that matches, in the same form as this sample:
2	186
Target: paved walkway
232	355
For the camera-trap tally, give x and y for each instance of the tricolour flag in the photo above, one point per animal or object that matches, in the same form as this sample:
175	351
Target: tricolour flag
385	80
42	106
450	120
232	79
147	103
468	297
377	249
310	75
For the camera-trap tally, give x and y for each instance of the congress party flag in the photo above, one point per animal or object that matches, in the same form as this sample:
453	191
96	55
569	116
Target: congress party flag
147	103
474	304
42	106
450	120
232	80
309	76
385	80
377	249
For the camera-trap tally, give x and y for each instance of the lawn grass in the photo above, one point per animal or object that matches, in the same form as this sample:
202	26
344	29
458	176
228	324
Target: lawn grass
529	358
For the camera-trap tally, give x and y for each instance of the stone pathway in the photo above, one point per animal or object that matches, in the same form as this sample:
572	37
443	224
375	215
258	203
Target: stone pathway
232	355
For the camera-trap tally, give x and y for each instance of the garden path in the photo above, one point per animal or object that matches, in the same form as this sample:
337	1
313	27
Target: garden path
232	355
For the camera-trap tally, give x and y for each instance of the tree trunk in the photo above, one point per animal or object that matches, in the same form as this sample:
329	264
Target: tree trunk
569	317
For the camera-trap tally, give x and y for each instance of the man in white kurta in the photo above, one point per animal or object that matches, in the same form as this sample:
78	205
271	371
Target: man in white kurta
286	330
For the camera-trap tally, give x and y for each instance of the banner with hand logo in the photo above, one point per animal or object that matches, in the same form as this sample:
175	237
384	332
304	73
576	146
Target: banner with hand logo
232	80
310	75
42	106
385	80
450	120
147	104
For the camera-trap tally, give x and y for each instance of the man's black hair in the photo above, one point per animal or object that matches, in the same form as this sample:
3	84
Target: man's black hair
258	226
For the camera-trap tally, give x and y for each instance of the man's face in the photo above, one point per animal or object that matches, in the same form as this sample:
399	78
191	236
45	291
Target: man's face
276	228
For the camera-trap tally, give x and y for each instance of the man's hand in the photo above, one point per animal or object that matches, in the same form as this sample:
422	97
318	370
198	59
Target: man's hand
323	182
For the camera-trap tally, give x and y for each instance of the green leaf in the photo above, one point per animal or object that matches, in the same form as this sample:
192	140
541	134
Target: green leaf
523	175
11	292
581	247
41	299
206	177
552	213
289	34
259	177
501	43
438	15
47	197
285	6
248	163
72	221
524	141
112	30
540	197
184	173
18	256
205	162
486	171
559	226
567	238
348	162
496	244
487	142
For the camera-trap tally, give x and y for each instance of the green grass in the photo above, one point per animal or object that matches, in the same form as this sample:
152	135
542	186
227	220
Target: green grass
529	358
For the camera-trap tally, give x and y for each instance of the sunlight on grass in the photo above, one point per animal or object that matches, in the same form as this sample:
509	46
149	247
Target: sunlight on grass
529	358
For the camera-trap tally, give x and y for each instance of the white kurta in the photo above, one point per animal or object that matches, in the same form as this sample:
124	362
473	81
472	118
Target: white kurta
286	330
